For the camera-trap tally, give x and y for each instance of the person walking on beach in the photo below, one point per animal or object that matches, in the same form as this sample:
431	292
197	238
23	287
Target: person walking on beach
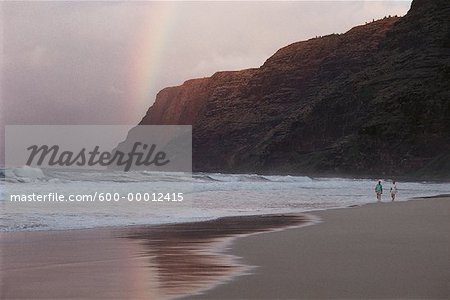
379	190
393	190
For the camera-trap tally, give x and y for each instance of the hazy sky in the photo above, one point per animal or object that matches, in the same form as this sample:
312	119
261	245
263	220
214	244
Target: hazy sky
104	62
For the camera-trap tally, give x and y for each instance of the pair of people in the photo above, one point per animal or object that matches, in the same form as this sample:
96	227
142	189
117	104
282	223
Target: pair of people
379	190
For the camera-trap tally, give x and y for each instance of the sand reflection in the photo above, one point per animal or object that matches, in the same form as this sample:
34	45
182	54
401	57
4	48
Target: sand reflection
153	262
189	258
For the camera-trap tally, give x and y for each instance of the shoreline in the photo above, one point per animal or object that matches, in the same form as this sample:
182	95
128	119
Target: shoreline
170	260
310	213
158	256
404	254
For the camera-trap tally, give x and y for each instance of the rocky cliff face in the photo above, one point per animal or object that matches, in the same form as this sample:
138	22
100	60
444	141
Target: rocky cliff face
374	100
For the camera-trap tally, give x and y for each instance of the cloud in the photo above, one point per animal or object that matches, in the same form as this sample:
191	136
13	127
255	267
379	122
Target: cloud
70	62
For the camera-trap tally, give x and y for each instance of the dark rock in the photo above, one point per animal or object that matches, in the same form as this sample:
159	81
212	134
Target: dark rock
372	101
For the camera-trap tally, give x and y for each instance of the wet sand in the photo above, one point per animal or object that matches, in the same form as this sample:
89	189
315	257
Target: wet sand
387	250
152	262
383	251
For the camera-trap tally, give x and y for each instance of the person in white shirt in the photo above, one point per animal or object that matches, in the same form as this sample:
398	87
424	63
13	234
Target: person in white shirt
393	190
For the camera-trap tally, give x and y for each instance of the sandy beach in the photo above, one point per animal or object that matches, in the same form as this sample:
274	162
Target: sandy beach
188	150
136	262
381	250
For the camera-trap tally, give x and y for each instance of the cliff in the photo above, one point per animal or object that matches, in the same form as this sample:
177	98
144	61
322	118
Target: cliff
374	100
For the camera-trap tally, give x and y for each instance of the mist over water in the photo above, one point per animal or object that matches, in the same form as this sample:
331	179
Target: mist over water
206	196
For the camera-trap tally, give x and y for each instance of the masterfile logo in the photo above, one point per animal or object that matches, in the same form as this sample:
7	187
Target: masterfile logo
97	170
145	156
125	148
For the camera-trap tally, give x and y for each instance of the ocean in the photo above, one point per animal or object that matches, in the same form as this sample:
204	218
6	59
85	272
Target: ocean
205	196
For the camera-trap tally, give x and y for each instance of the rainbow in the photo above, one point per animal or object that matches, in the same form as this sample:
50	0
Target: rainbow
147	52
